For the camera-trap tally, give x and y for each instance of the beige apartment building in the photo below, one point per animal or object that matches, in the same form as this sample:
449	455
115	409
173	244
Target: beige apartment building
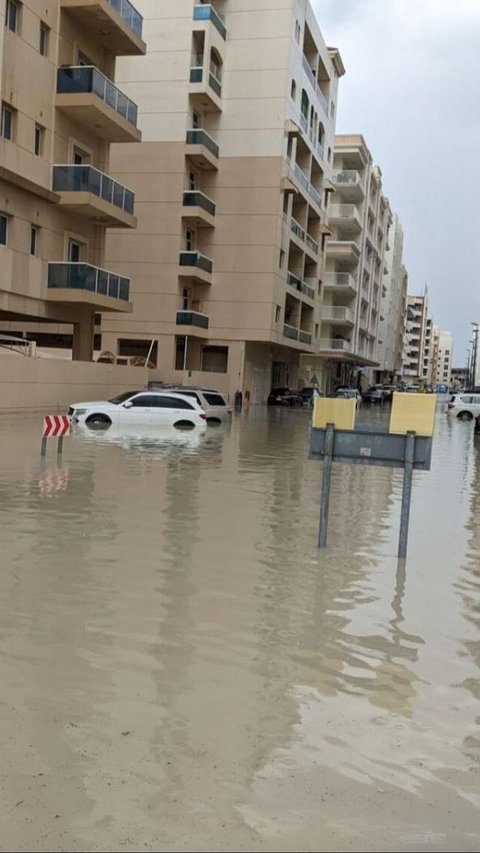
418	343
60	112
393	308
237	105
442	352
359	218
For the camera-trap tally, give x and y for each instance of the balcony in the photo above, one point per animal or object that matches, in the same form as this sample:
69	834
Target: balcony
116	22
338	315
347	251
92	100
297	176
90	193
205	85
300	285
202	149
294	334
84	284
196	267
345	216
192	318
313	82
334	346
302	235
199	209
208	13
349	183
340	282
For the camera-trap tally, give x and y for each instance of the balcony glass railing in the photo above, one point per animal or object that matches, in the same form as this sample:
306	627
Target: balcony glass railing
340	279
337	344
300	285
304	337
313	245
206	12
196	259
70	178
290	332
192	318
198	136
81	79
313	80
214	82
195	198
344	211
129	14
81	276
302	179
297	229
337	312
348	176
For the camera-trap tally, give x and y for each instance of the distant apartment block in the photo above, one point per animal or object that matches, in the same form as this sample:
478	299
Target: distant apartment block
393	308
442	352
60	111
418	342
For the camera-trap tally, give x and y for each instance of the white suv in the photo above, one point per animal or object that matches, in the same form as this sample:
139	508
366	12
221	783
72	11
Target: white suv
212	402
465	406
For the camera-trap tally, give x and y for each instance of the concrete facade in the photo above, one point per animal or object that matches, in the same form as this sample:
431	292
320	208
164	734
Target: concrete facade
393	307
237	107
417	367
60	112
442	352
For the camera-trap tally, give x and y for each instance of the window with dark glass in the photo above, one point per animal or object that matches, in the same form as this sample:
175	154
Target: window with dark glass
38	140
12	15
33	239
6	126
43	42
3	229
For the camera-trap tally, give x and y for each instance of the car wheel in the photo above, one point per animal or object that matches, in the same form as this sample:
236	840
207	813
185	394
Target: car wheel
465	416
184	425
98	421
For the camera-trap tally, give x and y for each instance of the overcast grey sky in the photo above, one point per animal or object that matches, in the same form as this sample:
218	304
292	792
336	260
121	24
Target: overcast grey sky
412	88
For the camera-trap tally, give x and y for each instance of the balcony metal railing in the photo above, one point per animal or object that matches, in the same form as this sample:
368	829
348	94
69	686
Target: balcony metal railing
315	195
300	285
303	122
214	79
192	318
340	279
129	14
195	198
82	276
206	12
337	312
81	79
71	178
313	80
335	344
198	136
196	259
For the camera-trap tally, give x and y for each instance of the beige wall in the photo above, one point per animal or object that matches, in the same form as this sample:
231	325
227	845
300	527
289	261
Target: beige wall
50	385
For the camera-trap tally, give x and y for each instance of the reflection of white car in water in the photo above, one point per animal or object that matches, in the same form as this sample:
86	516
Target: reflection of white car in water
142	408
155	441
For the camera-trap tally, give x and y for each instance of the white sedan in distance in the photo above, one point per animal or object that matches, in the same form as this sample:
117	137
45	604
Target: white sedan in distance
142	408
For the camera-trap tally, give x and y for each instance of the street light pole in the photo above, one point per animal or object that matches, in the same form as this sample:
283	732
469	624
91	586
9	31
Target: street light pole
474	353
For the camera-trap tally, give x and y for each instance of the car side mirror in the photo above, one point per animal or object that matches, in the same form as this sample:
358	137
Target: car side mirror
128	404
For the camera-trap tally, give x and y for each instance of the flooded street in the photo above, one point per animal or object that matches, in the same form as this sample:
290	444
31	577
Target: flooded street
182	669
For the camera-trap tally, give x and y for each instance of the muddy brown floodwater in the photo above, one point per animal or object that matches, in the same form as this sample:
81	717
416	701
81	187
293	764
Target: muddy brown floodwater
182	670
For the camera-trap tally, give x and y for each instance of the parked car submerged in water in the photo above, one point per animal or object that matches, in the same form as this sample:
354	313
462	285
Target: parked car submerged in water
147	407
350	394
284	397
212	402
373	395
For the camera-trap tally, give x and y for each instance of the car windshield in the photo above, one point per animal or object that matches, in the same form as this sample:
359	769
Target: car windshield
122	397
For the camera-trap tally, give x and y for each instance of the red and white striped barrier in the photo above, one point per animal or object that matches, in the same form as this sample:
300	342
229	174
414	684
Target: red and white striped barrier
55	426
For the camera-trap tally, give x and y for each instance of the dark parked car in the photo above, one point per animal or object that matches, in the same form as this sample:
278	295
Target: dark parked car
284	397
373	395
307	395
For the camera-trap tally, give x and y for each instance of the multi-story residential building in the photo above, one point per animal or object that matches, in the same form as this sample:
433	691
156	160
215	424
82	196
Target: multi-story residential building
60	111
442	351
237	103
460	377
393	308
359	218
418	341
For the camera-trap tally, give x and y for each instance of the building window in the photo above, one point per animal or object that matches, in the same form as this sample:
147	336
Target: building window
43	42
7	122
38	140
293	90
278	311
196	120
281	258
3	229
33	239
189	240
298	32
12	15
74	250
